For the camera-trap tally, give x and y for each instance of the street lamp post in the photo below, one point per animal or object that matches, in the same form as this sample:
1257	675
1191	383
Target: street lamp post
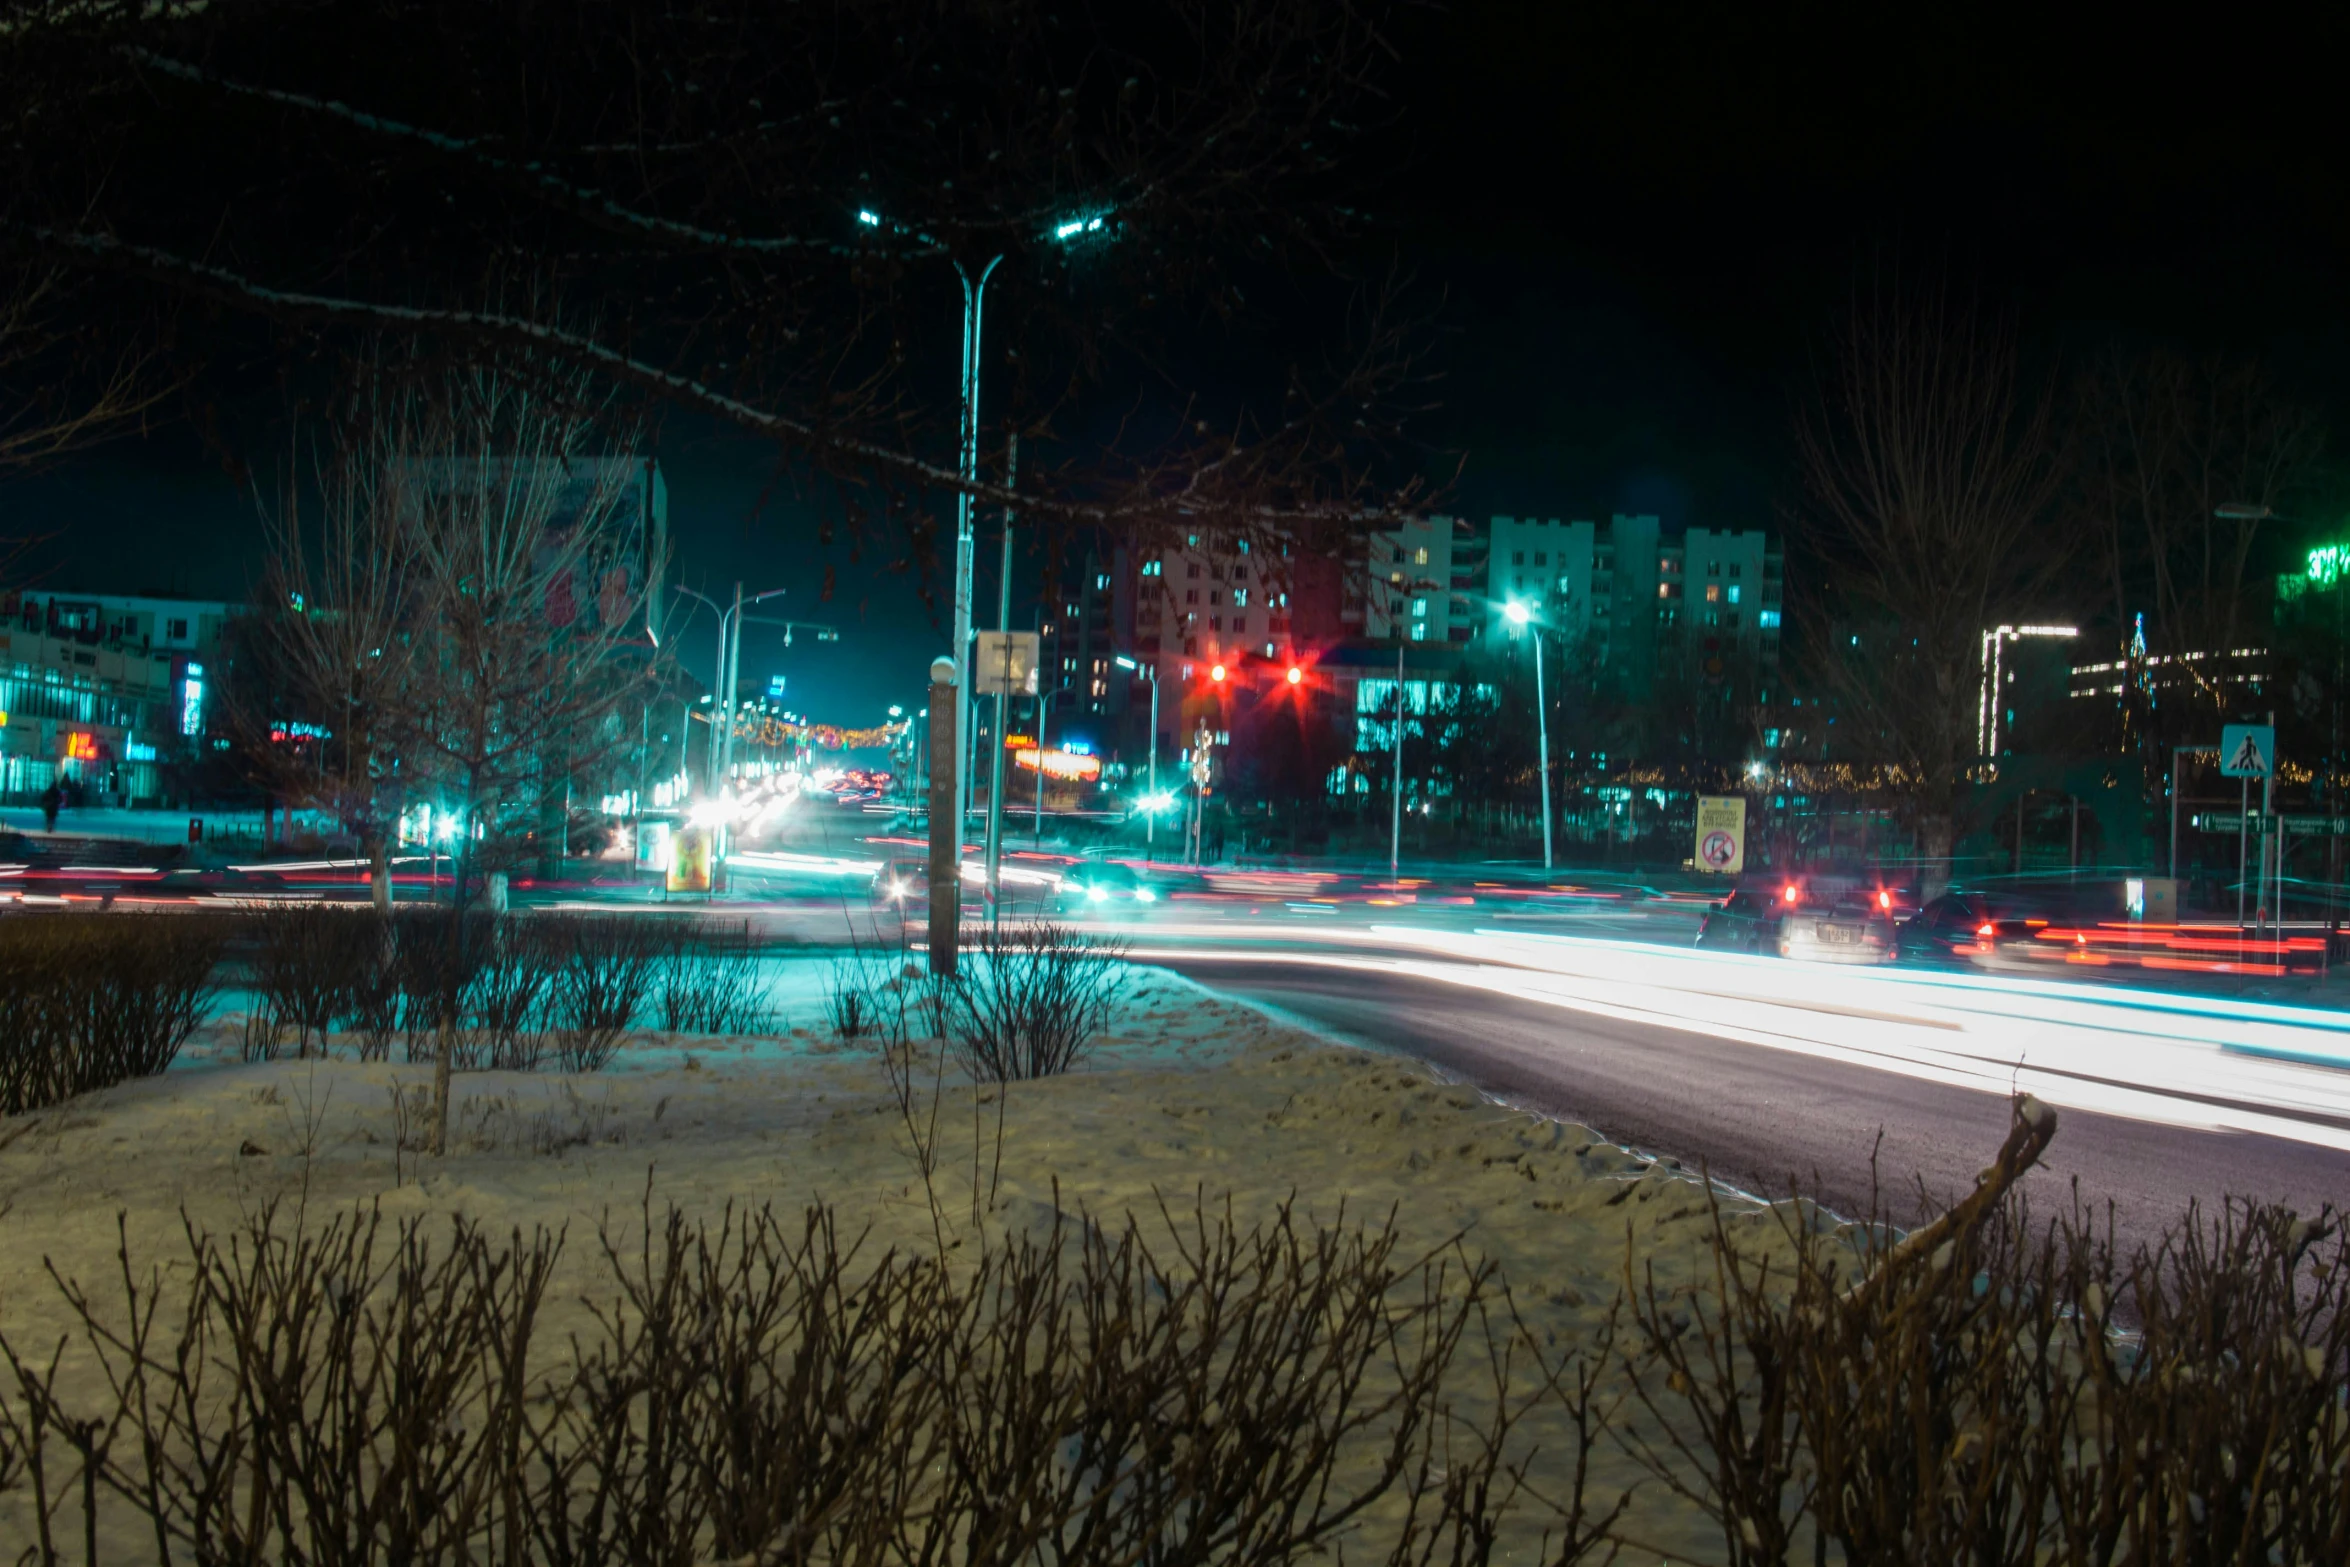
1150	789
974	300
1520	615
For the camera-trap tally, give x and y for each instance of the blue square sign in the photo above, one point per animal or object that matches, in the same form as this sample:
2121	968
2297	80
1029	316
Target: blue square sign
2247	750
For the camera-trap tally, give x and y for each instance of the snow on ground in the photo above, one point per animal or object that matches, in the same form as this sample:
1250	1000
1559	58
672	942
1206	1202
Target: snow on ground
1188	1093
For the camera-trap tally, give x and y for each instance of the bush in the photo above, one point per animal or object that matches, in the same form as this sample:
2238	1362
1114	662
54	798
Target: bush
758	1392
93	1000
2006	1391
606	968
1030	999
503	1002
311	965
709	980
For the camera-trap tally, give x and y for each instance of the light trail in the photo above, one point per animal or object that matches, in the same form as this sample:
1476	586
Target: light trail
2194	1062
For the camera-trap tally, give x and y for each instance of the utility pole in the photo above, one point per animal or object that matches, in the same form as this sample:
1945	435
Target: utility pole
1395	823
974	298
995	793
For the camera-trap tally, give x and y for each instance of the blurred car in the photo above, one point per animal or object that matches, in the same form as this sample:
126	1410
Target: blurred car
902	884
1746	921
1976	930
1100	889
1854	928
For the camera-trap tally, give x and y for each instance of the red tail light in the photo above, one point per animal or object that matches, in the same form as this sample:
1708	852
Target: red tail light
1985	931
1884	900
1794	894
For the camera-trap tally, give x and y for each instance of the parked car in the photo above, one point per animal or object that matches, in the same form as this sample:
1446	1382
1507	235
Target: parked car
1975	930
1100	888
1856	928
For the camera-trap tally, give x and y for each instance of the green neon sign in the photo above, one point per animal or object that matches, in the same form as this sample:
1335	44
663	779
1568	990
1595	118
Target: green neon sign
2328	564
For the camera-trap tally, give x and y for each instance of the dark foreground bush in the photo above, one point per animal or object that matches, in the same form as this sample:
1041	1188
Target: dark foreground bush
90	1000
2001	1390
758	1393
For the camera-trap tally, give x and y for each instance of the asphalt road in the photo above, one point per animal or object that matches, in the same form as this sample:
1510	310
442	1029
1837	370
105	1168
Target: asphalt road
1758	1117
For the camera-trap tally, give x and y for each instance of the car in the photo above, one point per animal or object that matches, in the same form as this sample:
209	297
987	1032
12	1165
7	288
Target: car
1746	921
1855	928
902	885
1976	930
1102	888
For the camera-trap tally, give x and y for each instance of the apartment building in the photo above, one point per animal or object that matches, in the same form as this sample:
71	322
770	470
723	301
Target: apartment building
1628	602
102	688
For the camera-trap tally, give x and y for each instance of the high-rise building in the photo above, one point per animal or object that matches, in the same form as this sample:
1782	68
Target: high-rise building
1628	602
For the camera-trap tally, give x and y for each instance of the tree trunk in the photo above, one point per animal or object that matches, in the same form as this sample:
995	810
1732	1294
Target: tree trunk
1934	842
379	872
461	862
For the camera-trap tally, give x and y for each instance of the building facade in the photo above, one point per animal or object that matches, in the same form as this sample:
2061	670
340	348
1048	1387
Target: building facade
100	690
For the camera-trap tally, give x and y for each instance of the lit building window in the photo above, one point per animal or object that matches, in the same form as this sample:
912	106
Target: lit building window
1713	593
1768	620
1733	593
1419	631
1419	607
1664	590
1420	556
1239	597
192	701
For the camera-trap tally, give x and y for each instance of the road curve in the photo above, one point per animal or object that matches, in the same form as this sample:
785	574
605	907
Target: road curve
1758	1117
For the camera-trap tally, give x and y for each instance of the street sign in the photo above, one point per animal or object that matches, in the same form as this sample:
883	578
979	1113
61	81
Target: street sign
1003	663
2247	750
1721	834
2254	822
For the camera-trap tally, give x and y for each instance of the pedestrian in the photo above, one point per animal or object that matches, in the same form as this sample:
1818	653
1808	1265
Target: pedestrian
51	799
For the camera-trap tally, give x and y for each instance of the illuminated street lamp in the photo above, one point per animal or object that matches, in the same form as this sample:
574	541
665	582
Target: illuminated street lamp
1520	615
1067	231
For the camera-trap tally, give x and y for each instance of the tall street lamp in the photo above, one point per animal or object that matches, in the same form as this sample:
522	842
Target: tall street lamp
1065	232
728	673
1520	615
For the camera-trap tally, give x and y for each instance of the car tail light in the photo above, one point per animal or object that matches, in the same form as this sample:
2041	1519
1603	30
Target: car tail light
1985	930
1884	900
1794	894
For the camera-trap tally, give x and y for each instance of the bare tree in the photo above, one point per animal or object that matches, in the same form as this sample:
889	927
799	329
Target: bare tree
336	623
2163	444
525	613
1932	481
757	211
58	391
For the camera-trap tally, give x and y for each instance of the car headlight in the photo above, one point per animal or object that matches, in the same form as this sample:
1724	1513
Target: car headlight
1145	895
897	889
1097	894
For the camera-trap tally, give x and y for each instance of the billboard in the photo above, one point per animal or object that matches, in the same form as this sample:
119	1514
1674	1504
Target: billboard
1721	834
689	860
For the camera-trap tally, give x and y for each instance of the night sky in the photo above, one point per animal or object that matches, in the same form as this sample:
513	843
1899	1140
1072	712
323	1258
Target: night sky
1633	226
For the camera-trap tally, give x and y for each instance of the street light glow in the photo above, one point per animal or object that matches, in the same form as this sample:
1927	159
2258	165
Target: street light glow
1518	613
1296	675
1073	226
1216	673
1123	662
869	218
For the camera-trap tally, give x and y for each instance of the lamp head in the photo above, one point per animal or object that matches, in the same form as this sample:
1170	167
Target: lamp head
1518	613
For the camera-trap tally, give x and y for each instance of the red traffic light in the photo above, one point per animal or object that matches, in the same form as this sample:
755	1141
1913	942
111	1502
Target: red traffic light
1216	672
1296	675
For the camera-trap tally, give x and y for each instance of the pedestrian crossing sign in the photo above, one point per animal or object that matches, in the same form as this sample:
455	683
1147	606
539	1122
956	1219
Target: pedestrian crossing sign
2247	750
